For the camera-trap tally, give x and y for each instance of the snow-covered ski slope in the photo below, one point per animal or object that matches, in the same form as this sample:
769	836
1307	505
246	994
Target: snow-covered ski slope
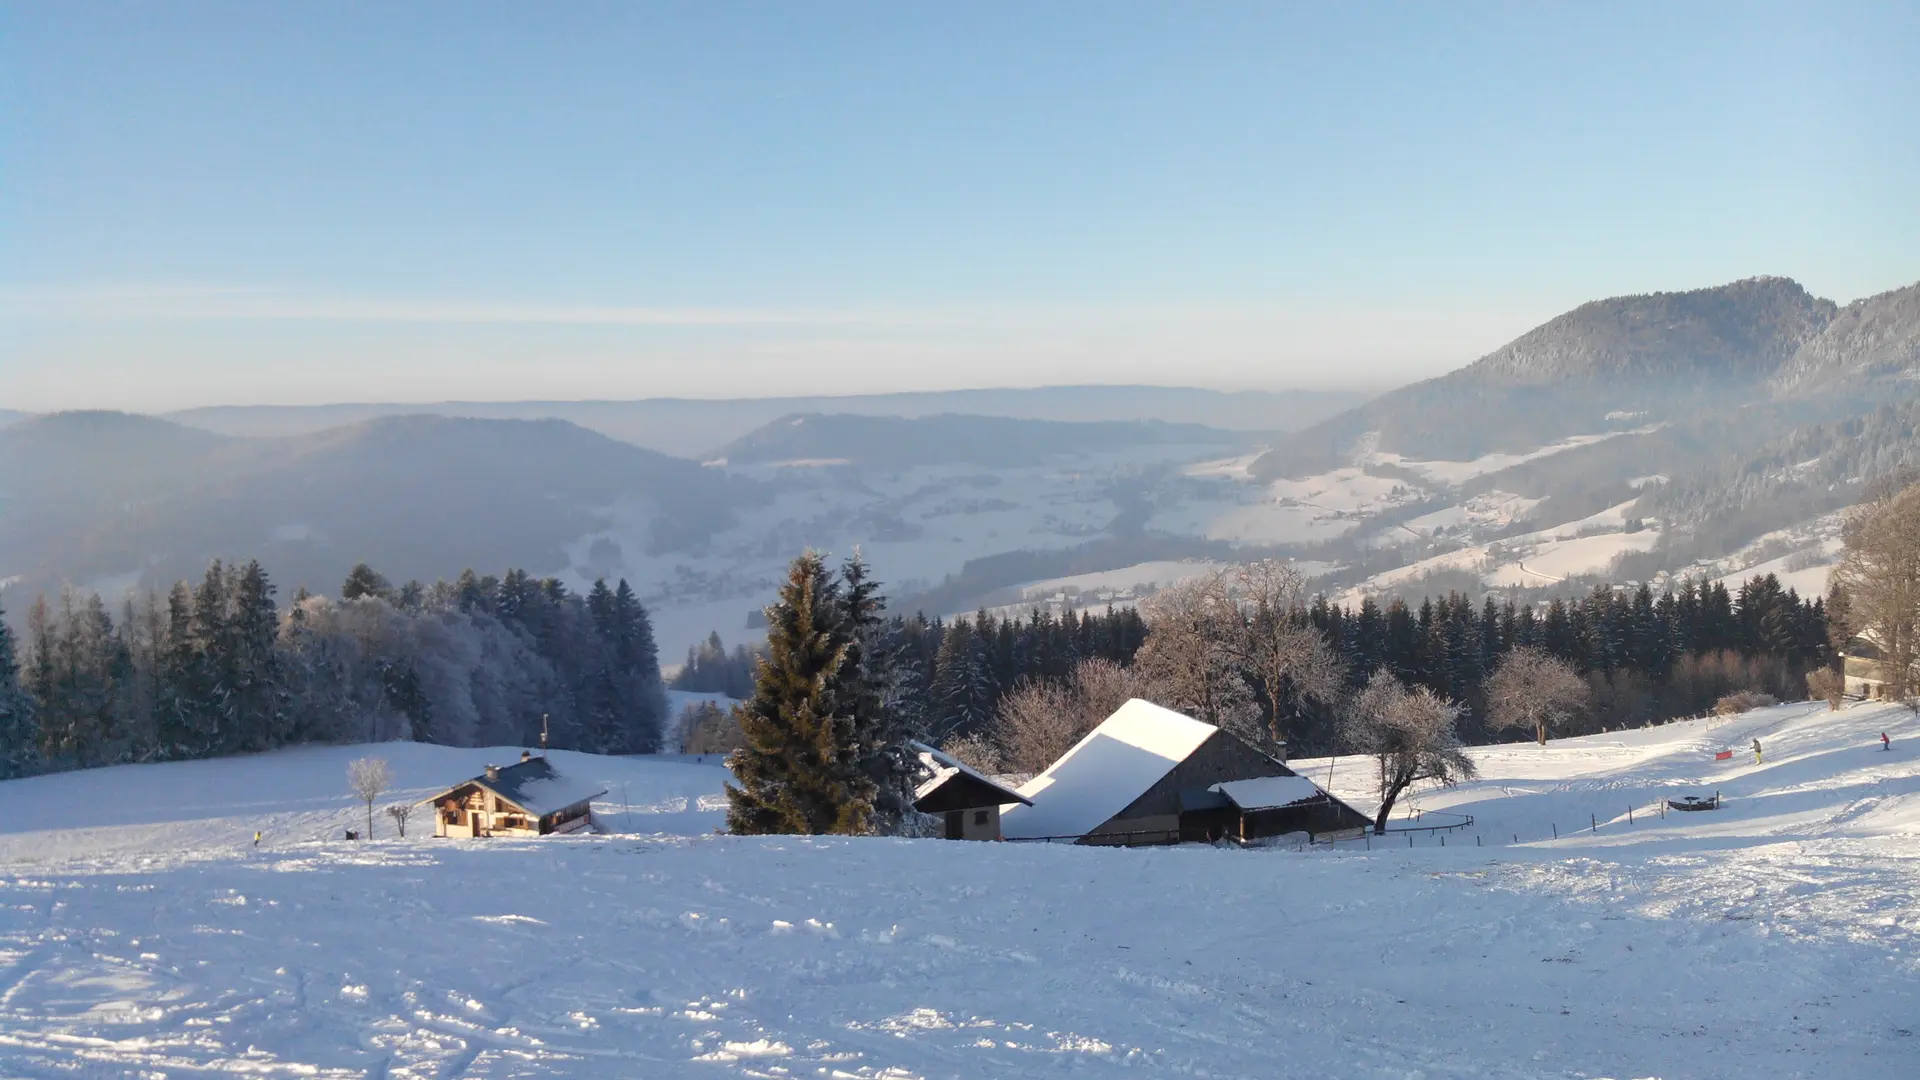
141	934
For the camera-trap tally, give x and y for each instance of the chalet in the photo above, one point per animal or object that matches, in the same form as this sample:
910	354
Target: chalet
968	800
531	798
1865	667
1149	775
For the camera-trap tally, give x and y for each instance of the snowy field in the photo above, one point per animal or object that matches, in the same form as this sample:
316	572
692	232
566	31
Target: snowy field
141	934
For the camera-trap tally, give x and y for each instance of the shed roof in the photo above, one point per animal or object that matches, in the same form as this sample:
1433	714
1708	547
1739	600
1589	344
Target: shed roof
1268	792
1105	772
944	767
535	786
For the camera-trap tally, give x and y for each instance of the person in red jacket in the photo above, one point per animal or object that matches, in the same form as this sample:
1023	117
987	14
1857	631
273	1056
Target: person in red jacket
1885	743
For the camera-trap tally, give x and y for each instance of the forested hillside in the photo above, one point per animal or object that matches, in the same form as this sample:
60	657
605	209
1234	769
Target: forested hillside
219	667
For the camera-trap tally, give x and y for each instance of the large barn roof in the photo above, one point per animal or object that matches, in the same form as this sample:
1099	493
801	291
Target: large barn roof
535	786
1105	772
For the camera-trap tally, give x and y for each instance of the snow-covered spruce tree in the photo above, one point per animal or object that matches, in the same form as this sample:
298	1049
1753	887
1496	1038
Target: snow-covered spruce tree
19	737
638	656
963	691
258	673
800	771
869	682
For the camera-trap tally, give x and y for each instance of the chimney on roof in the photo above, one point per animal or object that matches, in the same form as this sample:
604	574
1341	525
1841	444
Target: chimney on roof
525	754
493	772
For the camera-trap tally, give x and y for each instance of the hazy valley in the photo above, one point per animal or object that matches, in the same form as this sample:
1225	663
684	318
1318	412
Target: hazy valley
1705	433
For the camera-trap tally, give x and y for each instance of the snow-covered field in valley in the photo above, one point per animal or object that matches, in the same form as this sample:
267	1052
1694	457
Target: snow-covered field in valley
141	933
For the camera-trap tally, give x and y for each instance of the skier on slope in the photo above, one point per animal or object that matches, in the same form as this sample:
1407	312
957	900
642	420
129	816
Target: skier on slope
1885	743
1756	751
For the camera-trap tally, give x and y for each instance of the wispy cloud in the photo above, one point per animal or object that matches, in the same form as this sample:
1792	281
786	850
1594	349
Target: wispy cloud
211	303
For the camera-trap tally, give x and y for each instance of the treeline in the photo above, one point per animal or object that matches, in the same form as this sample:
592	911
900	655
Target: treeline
219	668
1251	651
951	676
1644	657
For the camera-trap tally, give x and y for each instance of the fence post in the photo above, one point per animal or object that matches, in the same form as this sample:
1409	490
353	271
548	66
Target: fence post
1476	839
1556	832
1409	839
1443	839
1594	820
1369	839
1629	815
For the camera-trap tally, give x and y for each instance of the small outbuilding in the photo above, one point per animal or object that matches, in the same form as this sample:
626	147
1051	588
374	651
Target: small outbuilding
967	799
1149	775
531	798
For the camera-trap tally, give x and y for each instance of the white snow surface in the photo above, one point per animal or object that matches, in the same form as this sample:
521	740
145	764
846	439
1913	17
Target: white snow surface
1267	792
141	934
1115	764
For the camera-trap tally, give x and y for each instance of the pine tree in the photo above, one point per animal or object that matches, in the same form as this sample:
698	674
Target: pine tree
178	678
869	683
257	675
799	771
363	581
19	735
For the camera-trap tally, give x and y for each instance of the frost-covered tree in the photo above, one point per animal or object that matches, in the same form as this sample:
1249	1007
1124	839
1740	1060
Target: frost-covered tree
1189	661
1535	691
369	778
1879	573
1412	736
869	684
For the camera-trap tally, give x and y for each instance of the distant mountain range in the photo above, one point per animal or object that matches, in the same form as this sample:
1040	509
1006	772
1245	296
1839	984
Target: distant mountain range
689	427
108	499
1707	431
988	441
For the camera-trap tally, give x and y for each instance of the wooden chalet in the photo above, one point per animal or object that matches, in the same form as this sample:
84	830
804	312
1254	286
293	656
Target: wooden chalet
531	798
968	800
1149	775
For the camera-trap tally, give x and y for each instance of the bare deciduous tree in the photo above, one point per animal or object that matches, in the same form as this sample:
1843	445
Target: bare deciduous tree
399	812
1040	720
975	750
1287	655
369	778
1879	573
1531	688
1188	661
1828	684
1412	736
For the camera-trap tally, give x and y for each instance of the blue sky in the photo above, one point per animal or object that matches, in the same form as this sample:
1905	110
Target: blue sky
232	203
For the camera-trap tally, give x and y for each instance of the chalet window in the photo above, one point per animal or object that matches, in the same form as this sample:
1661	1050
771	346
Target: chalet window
979	817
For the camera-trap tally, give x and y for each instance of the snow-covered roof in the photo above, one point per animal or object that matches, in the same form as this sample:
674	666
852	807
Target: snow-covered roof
1267	792
944	767
1115	764
535	786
